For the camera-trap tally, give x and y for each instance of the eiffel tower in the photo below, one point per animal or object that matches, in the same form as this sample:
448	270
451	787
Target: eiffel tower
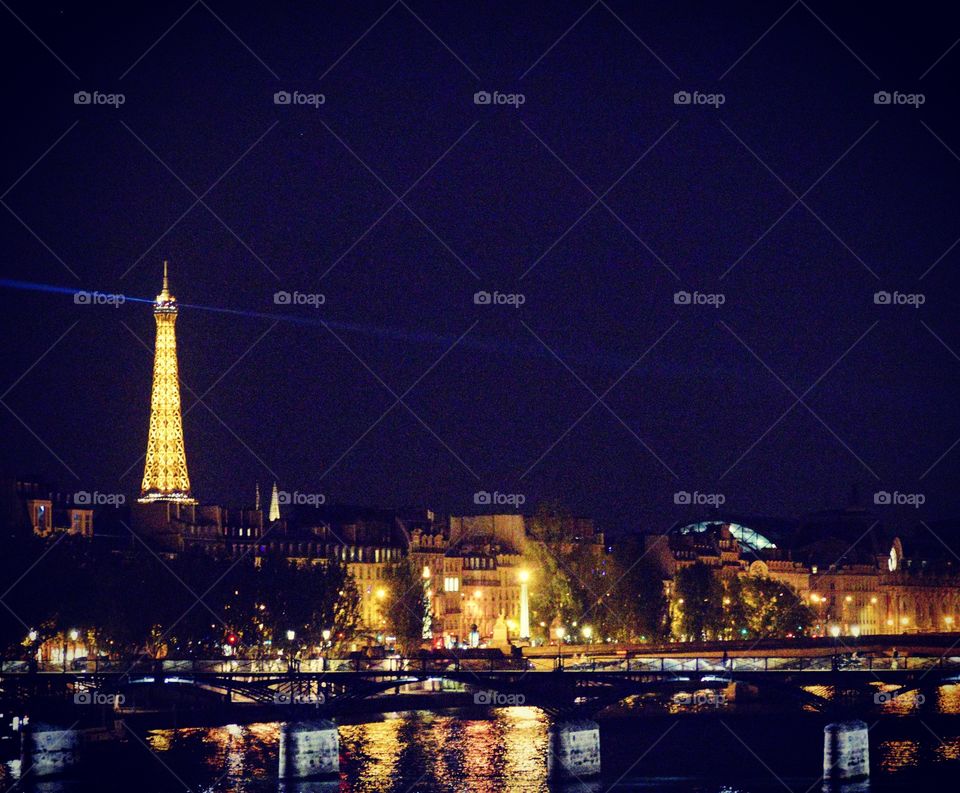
165	471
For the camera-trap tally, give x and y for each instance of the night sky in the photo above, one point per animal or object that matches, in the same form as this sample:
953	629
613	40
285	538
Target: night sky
597	200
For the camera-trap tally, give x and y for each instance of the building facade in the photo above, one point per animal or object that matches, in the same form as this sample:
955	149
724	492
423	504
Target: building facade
850	572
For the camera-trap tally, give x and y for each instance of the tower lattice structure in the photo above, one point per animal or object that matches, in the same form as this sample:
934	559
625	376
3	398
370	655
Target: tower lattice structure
165	475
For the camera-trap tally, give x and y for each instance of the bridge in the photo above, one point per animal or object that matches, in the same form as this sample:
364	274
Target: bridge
307	696
332	686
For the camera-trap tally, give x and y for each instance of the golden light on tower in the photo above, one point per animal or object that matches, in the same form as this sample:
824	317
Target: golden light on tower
165	469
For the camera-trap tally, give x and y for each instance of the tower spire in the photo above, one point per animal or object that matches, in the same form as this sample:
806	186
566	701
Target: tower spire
165	475
274	504
256	498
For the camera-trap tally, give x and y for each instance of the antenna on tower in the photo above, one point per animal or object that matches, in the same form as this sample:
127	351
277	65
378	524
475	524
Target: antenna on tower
256	500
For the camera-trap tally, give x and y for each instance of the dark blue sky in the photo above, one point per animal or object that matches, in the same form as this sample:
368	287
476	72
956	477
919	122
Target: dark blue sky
699	203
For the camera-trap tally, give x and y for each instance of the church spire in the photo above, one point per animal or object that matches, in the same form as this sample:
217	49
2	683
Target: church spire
256	498
274	504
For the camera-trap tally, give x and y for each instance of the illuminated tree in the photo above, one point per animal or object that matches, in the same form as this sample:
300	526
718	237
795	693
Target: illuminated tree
403	605
773	609
697	603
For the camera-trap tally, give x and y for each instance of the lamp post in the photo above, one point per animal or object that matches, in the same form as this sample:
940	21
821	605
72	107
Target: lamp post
559	631
835	633
426	631
524	577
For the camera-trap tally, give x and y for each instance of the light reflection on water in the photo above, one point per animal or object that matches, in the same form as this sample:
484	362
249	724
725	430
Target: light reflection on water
447	752
426	752
410	751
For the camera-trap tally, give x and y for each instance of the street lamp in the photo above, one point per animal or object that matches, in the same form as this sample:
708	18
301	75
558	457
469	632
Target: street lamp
587	632
559	631
835	633
524	576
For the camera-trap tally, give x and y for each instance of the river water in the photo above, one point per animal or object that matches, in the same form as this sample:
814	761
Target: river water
661	747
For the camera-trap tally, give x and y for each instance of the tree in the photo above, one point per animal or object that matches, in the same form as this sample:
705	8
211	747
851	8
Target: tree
404	606
562	588
697	603
553	596
773	609
634	606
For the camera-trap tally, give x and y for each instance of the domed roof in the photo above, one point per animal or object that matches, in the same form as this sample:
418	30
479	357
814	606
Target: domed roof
749	538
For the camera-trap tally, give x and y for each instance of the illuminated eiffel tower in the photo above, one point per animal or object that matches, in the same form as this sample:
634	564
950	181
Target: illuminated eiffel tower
165	471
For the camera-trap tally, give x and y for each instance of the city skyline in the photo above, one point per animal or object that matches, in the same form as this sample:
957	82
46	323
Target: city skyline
785	212
698	503
416	396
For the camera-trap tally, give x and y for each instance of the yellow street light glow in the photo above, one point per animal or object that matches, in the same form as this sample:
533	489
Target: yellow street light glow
426	571
834	631
587	631
904	620
478	594
559	631
381	593
849	599
524	576
873	600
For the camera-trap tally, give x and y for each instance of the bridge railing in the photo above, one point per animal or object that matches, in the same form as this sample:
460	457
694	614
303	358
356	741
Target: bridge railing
654	665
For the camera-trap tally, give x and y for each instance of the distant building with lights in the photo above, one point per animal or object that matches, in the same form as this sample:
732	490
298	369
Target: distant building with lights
53	512
850	572
845	566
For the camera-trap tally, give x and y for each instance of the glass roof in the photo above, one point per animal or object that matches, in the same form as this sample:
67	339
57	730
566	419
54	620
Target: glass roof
746	536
